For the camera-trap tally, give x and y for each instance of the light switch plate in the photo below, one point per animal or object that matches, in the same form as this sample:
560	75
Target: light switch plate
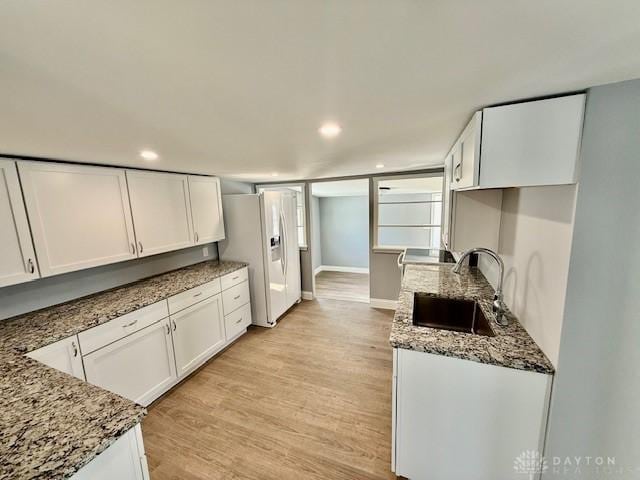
205	251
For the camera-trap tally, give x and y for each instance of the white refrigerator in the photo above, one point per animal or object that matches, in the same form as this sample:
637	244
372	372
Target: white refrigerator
261	230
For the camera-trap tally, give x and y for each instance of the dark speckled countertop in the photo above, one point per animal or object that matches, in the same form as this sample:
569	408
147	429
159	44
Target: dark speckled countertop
52	424
510	347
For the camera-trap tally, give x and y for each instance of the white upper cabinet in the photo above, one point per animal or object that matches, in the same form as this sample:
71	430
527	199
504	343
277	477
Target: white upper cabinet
79	215
206	209
466	155
17	258
531	143
519	145
161	211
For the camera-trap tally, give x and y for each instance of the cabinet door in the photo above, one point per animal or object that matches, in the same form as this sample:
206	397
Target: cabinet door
471	428
161	211
63	355
80	216
532	143
198	333
206	209
466	168
17	258
139	367
121	460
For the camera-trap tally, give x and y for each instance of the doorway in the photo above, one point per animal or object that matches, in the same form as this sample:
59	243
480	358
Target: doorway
340	244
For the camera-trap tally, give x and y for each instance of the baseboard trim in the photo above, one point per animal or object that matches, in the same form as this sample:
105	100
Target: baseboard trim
383	303
307	295
338	268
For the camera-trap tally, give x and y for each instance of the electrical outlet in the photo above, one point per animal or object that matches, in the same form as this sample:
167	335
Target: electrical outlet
205	251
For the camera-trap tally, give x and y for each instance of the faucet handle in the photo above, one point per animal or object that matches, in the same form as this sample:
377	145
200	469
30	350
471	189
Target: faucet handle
499	309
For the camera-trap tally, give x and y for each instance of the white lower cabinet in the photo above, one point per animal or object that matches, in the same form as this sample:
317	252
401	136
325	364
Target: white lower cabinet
198	333
237	322
142	354
457	418
123	460
139	367
63	355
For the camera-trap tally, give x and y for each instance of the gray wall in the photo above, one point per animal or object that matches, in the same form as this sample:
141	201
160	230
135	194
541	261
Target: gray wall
229	187
30	296
316	240
384	274
594	407
344	231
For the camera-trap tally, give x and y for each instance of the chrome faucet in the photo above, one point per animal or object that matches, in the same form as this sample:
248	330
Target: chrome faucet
499	307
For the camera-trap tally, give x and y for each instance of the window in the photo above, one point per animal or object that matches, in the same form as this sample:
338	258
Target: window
408	211
298	188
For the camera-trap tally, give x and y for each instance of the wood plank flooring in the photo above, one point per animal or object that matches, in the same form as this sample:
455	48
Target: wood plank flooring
308	399
343	286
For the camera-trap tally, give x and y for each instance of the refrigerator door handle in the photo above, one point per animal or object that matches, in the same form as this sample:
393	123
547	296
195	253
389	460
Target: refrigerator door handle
285	244
282	243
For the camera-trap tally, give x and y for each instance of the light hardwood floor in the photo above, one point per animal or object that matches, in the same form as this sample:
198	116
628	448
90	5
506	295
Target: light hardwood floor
343	286
308	399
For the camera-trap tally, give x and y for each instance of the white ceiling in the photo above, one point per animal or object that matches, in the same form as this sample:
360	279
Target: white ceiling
240	87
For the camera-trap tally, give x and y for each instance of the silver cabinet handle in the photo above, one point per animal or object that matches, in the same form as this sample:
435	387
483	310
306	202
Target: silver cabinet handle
174	325
235	278
75	349
133	248
236	298
31	266
196	234
239	320
168	329
140	246
130	324
197	295
456	176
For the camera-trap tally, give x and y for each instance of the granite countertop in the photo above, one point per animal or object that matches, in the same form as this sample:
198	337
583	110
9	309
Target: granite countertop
52	424
510	347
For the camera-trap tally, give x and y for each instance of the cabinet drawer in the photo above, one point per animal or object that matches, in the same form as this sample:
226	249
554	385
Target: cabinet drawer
235	297
194	295
98	337
234	278
237	321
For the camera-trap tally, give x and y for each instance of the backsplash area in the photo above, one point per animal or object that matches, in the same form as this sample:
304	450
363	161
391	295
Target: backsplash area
26	297
535	243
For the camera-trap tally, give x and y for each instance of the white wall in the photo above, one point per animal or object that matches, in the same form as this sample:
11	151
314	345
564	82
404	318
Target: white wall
535	243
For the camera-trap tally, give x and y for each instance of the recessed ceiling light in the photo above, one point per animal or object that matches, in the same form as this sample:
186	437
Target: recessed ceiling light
274	174
149	154
380	165
330	130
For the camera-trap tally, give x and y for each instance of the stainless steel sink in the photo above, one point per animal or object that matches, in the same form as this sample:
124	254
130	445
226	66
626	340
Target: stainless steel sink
450	314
